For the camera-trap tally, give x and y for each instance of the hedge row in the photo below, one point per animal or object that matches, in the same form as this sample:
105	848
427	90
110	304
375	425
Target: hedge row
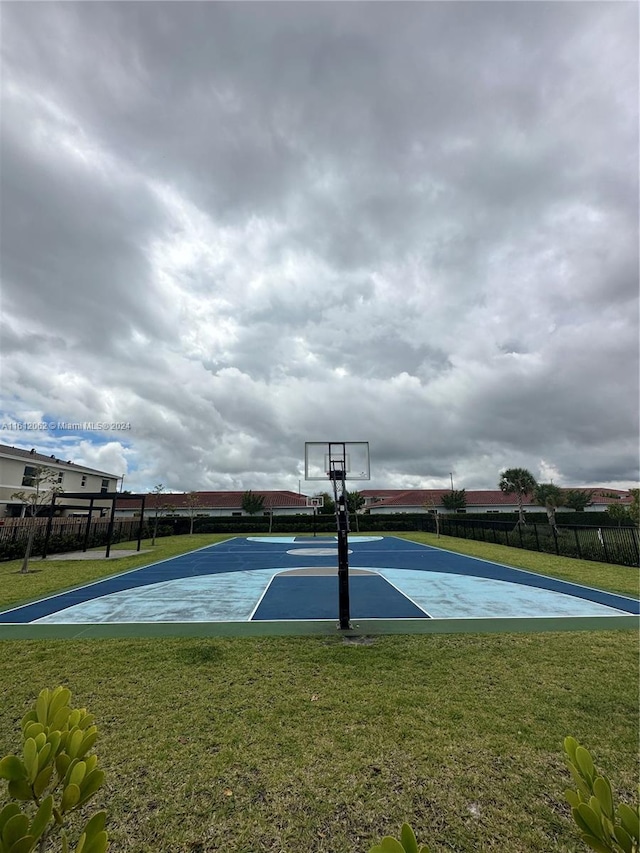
569	519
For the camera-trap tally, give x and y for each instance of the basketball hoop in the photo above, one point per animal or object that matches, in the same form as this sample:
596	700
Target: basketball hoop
338	461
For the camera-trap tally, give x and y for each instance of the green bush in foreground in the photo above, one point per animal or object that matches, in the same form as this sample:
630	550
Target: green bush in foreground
53	777
407	843
603	826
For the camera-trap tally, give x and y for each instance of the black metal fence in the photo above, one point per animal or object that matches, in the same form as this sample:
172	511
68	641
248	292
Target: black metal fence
603	544
67	534
618	545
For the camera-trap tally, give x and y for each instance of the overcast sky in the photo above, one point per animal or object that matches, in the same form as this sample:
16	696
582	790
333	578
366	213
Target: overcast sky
241	226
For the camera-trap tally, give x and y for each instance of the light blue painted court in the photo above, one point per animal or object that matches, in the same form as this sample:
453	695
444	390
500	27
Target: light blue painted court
292	580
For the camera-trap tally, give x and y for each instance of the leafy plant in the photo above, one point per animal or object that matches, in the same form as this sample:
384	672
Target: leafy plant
619	513
252	503
634	509
54	777
578	499
456	499
406	844
355	502
328	507
605	827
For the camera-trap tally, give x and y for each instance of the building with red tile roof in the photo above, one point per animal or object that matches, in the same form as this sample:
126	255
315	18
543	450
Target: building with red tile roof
387	501
212	504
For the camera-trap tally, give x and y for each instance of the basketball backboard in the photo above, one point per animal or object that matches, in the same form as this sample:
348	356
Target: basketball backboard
317	501
325	459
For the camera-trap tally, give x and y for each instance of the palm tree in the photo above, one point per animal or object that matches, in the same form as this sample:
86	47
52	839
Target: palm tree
578	499
550	497
518	482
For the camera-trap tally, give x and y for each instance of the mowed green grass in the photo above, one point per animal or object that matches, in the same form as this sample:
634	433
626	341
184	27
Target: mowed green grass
314	743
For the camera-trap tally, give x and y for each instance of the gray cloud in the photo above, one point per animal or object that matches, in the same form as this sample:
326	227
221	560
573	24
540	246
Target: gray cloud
244	226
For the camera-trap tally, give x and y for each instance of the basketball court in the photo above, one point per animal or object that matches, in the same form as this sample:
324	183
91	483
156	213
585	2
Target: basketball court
319	585
289	585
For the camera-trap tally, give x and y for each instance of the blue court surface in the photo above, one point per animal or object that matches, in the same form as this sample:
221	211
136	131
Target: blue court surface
290	584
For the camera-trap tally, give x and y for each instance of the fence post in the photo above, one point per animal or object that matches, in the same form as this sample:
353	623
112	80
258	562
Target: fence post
604	543
535	530
49	525
110	528
634	539
88	530
141	523
579	550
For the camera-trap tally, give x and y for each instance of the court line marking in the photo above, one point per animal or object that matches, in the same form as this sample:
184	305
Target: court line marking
420	547
110	578
264	592
402	592
374	571
527	572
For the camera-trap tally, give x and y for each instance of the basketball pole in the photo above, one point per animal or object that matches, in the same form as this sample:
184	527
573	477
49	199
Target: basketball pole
342	518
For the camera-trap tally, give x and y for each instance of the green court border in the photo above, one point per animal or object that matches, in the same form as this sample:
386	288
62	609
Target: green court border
303	628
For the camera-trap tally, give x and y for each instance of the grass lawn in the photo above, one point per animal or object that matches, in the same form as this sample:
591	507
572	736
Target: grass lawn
315	743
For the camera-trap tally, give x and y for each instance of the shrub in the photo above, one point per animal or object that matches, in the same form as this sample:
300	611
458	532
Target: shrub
53	777
605	827
406	844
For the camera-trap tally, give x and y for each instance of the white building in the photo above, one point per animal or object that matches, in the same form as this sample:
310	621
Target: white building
388	501
18	468
214	504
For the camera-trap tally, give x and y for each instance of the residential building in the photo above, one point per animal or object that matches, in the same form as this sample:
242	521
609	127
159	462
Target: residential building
18	467
214	504
387	501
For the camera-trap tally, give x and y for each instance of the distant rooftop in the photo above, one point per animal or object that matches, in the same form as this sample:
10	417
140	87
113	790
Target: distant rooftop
216	500
41	458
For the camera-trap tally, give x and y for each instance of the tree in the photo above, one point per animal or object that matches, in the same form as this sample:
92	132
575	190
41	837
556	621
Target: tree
619	513
157	491
328	507
192	504
634	509
550	497
432	509
252	503
518	482
455	499
355	502
626	513
578	499
44	485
